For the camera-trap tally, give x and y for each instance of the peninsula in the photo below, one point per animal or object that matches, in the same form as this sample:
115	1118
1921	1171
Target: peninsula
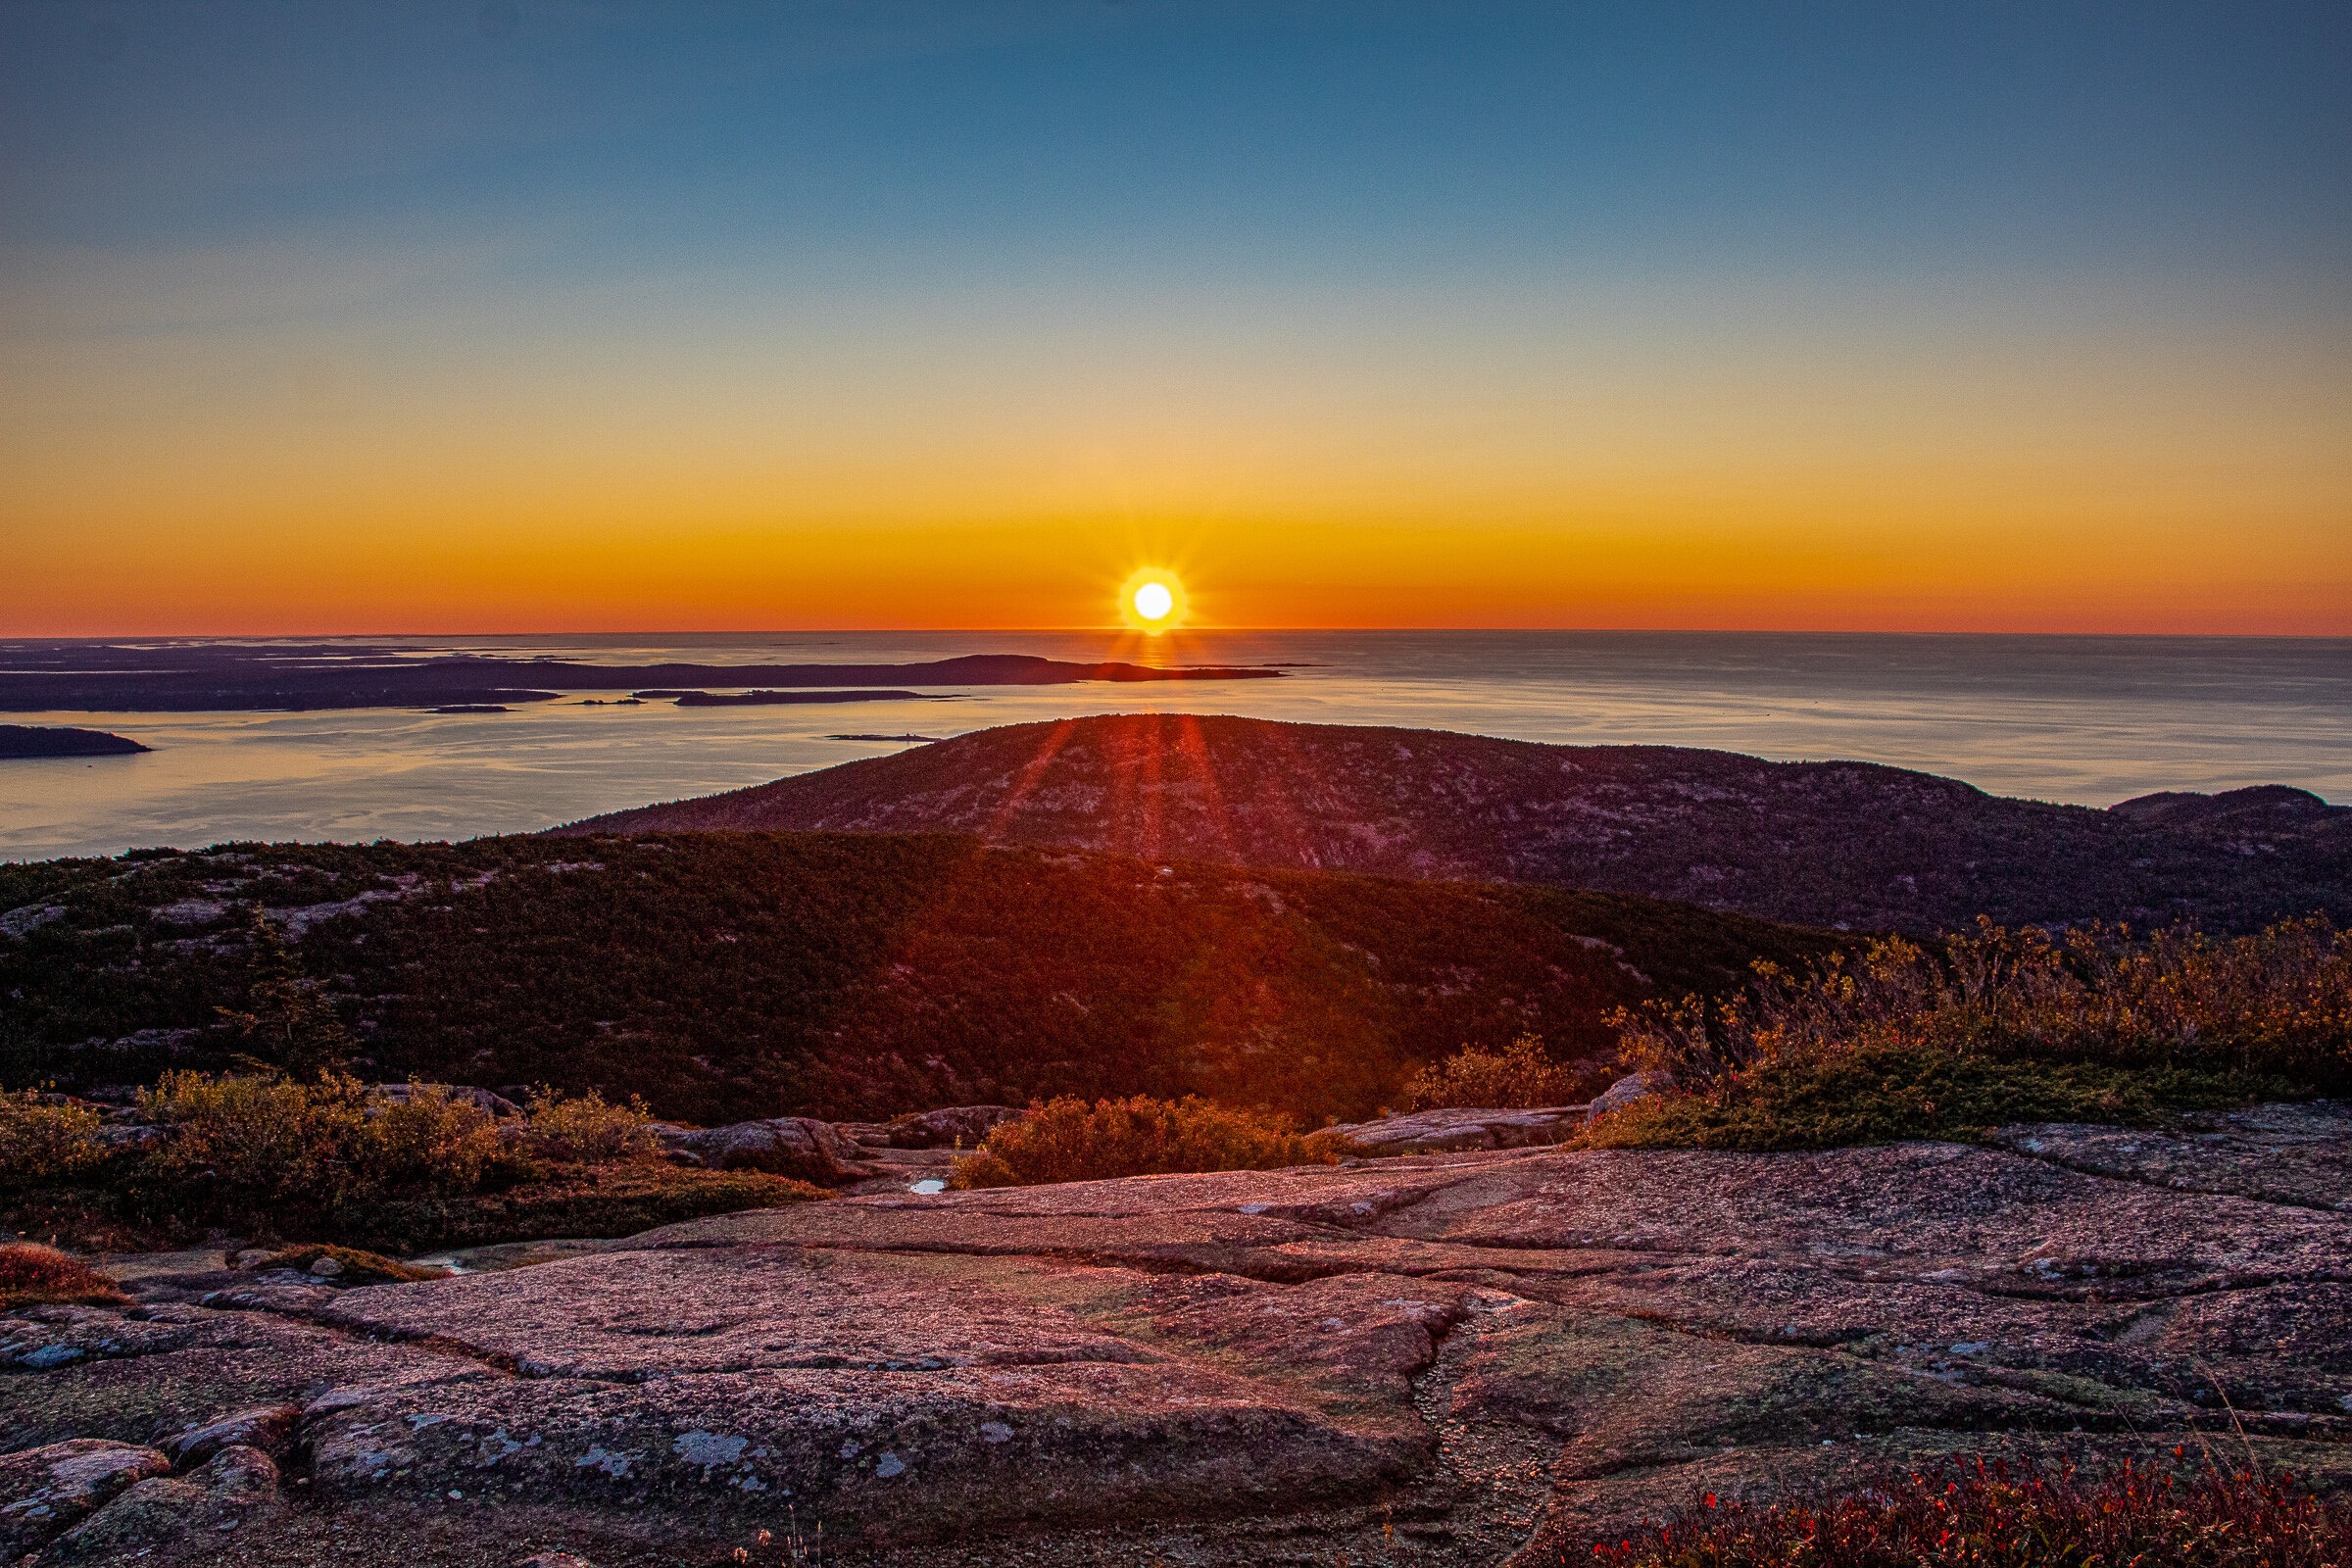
46	740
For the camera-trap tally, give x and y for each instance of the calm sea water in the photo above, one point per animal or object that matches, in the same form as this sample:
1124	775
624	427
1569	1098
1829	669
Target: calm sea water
2086	719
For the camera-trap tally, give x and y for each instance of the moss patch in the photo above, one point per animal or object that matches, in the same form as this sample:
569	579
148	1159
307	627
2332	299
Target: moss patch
560	1200
1884	1095
351	1265
581	1200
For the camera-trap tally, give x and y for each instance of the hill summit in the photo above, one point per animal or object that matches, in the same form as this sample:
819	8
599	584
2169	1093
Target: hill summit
1843	844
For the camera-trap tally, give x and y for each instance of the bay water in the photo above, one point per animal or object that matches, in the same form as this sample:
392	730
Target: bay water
2085	719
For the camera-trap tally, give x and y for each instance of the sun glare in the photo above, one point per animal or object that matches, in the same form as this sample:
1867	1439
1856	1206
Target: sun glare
1152	601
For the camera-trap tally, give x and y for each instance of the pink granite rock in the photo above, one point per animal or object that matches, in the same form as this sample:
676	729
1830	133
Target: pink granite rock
48	1490
1453	1359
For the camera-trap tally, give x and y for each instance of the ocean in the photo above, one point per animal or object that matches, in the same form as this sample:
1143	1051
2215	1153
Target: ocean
2084	719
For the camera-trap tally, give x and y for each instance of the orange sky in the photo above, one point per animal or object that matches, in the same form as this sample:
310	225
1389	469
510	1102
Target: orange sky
234	517
1790	466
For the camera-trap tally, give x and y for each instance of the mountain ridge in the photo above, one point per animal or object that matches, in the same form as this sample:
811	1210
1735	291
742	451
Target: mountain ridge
1835	844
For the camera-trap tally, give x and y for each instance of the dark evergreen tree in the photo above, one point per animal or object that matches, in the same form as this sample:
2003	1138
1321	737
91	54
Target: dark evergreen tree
290	1027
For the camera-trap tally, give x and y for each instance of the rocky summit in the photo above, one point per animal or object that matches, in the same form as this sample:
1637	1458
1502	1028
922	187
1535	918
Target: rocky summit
1490	1356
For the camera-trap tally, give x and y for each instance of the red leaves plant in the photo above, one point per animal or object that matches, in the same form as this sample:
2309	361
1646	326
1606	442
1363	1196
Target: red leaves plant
1993	1514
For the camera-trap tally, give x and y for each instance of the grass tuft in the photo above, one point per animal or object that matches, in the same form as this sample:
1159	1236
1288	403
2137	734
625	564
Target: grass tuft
32	1275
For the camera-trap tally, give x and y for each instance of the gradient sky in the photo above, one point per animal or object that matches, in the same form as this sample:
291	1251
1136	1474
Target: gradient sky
597	316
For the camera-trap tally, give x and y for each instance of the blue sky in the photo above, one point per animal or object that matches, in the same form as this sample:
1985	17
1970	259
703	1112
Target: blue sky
1335	139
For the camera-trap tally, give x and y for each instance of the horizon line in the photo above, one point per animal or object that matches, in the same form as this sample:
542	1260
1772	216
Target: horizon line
1155	637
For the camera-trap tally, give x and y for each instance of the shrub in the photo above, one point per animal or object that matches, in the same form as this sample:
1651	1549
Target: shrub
2000	1515
259	1139
31	1274
286	1149
426	1143
585	1130
276	1157
42	1143
1068	1140
1901	1041
2276	1004
1519	1077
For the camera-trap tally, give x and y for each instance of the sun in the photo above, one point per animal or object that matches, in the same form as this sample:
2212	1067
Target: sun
1152	601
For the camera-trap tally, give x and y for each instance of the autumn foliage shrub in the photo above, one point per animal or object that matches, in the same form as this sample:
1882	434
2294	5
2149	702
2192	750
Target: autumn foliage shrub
267	1154
428	1144
1070	1140
31	1274
1904	1041
251	1148
2277	1003
1519	1077
1995	1514
260	1139
585	1130
42	1143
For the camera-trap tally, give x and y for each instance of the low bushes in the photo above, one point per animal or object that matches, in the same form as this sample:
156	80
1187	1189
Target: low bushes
1995	1514
846	976
45	1141
427	1143
271	1156
35	1275
277	1143
584	1130
2277	1003
1519	1077
1901	1041
1069	1140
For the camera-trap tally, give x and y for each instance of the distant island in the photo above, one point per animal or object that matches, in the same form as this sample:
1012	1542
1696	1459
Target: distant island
766	698
194	677
37	740
472	708
926	740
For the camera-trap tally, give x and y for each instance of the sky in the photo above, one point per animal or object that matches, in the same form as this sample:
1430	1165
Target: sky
531	316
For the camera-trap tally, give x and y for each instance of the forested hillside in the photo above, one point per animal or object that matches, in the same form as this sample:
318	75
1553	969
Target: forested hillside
734	974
